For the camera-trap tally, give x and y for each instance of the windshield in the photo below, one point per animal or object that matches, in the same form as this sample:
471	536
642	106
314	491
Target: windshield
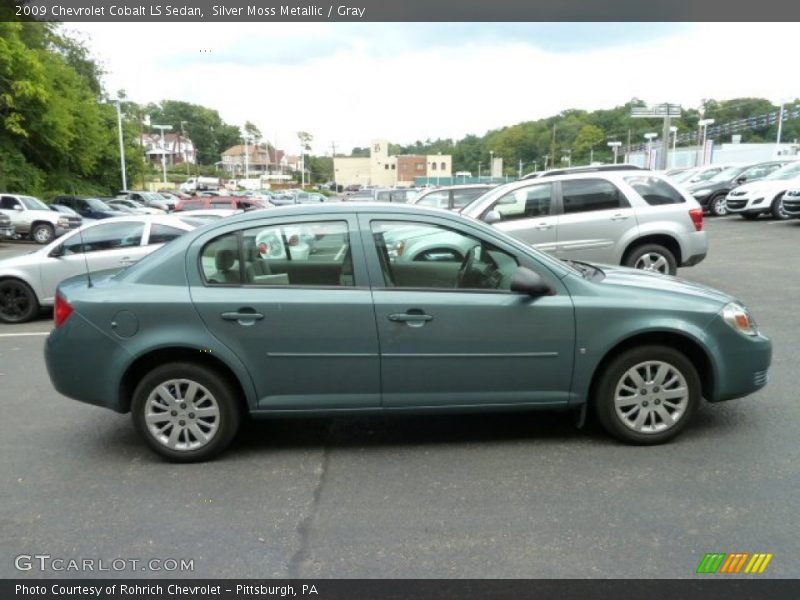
727	174
33	203
683	176
98	204
788	172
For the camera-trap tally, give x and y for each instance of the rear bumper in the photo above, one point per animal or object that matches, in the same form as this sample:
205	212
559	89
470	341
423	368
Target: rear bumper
693	260
694	247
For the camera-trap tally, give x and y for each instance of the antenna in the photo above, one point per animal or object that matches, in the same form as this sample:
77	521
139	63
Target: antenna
85	260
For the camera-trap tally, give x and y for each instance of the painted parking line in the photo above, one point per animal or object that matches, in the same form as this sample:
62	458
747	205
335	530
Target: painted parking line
24	334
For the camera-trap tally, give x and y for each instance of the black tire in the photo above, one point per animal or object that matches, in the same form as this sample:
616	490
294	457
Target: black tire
18	302
639	256
718	205
43	233
615	374
228	415
750	216
776	209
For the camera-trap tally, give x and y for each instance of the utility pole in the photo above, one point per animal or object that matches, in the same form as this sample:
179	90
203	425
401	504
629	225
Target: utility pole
552	146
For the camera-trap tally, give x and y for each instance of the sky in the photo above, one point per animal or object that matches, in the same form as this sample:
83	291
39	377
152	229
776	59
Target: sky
347	84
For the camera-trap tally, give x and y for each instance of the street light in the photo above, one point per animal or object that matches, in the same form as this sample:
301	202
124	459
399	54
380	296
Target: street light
479	171
780	122
703	123
674	131
163	128
246	137
121	145
650	137
491	164
615	147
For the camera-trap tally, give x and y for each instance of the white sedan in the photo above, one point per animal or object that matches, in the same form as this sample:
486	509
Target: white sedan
28	282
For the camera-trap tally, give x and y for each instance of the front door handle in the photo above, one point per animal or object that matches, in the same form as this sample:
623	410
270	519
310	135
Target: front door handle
127	261
544	226
412	319
245	316
619	217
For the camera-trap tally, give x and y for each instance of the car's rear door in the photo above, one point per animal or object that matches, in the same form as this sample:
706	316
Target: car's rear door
289	297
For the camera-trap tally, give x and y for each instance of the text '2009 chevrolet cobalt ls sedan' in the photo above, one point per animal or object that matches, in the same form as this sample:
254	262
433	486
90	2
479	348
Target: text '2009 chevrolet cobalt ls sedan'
347	309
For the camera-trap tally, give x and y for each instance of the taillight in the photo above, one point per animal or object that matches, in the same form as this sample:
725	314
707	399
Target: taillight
697	218
62	311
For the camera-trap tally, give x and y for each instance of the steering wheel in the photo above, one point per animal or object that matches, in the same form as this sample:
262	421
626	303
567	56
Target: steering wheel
466	266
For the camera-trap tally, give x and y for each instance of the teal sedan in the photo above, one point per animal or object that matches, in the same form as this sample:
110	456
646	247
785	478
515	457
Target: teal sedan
220	324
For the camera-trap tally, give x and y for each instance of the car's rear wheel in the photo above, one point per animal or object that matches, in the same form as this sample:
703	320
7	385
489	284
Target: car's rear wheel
185	412
776	208
43	233
647	395
652	257
718	205
18	302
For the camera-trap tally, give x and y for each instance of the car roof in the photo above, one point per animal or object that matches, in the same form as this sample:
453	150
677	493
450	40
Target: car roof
585	169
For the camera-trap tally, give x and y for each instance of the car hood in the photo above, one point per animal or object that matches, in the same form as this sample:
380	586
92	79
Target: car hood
636	278
768	185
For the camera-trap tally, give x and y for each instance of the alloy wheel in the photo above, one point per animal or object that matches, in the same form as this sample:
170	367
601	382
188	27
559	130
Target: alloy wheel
182	415
651	397
652	261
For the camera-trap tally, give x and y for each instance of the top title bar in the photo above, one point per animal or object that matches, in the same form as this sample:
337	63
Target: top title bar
401	10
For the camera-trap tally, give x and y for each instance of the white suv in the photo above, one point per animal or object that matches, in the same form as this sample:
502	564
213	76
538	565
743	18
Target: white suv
765	195
636	218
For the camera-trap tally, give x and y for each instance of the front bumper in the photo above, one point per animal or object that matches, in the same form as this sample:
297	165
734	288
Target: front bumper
742	362
7	231
745	204
791	204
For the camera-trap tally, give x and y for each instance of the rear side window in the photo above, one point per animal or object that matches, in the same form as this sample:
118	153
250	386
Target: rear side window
220	260
655	191
161	234
585	195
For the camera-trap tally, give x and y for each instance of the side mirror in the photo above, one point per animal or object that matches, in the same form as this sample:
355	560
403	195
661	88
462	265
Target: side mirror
491	217
528	282
57	252
18	207
741	180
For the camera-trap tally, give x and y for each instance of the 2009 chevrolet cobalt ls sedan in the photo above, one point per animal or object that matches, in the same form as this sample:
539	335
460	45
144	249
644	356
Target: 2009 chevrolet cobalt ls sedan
232	319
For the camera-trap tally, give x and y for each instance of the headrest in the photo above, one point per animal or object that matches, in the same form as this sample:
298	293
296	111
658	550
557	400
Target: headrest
224	259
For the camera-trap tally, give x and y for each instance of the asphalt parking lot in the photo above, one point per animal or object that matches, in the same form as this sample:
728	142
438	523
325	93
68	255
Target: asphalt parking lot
511	495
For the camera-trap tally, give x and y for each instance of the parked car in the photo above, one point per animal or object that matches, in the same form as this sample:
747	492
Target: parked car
150	199
7	230
28	282
712	193
89	208
454	197
33	218
195	337
634	218
133	207
222	202
698	174
172	198
765	196
393	195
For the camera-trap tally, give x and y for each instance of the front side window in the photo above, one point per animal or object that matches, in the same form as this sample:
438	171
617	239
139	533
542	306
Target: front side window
34	203
110	236
655	191
463	197
426	256
524	203
9	202
584	195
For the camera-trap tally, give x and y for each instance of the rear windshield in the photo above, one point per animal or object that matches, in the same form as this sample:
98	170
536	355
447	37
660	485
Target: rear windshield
655	191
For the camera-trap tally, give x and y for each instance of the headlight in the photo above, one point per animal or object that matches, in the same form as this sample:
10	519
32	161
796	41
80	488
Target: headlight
701	193
63	222
740	319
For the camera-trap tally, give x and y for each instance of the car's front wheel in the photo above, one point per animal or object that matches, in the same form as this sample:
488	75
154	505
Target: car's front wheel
776	209
185	412
718	206
18	302
43	233
647	395
652	257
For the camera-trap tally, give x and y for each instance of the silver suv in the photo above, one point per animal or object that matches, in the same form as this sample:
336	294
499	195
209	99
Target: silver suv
635	218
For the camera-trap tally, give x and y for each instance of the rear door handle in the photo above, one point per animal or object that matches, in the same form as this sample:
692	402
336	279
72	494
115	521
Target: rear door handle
244	316
619	217
544	226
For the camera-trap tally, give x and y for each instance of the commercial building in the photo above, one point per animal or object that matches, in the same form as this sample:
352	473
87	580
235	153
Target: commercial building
380	169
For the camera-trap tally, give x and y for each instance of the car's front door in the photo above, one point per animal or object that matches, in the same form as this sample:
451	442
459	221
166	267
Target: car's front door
451	331
290	298
528	213
595	217
97	248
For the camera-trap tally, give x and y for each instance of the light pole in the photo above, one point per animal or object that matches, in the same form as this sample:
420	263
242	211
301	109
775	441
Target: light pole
650	137
121	145
567	157
674	131
780	122
491	164
615	148
439	170
163	128
479	171
703	123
